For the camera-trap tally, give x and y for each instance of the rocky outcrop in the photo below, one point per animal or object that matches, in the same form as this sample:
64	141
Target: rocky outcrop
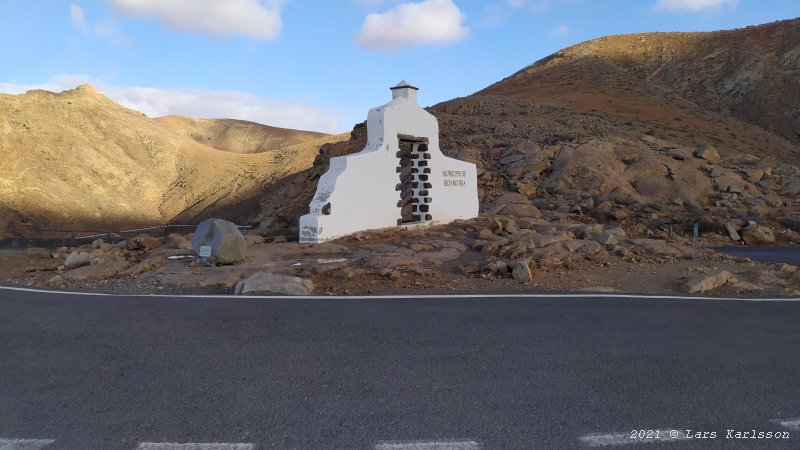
228	245
95	272
612	237
142	242
77	259
521	270
755	235
179	241
269	283
708	283
708	153
733	231
148	265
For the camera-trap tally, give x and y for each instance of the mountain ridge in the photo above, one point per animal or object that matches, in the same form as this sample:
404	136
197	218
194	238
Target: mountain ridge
77	160
733	72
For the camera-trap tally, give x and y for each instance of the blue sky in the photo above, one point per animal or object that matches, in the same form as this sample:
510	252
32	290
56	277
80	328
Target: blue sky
316	64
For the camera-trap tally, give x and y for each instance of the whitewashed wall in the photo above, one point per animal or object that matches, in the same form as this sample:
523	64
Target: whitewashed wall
360	188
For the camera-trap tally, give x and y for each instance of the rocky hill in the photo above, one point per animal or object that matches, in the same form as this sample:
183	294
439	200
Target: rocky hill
752	74
635	130
78	161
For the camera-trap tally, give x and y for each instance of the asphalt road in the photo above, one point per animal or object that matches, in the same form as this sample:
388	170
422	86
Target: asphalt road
82	372
789	255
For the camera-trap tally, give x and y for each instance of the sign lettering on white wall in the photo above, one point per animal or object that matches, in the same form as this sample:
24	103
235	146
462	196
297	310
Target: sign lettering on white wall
454	177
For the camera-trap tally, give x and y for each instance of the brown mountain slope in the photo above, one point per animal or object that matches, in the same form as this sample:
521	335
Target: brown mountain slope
237	136
752	74
76	160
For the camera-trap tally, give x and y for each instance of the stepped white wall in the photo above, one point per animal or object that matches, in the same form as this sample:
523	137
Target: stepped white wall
360	189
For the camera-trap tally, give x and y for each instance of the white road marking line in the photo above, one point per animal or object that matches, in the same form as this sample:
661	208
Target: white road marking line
411	296
193	446
614	439
792	424
24	444
452	444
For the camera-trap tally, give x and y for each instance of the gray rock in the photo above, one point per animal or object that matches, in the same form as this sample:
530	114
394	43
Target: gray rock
755	175
733	231
620	250
791	189
270	283
749	159
520	210
705	284
730	182
440	256
612	237
753	203
77	259
588	231
707	152
679	154
148	265
228	245
496	267
545	239
468	269
521	270
773	201
96	272
769	185
391	261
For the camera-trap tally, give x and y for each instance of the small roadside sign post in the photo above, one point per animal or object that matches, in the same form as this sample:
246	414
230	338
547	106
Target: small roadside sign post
696	229
205	252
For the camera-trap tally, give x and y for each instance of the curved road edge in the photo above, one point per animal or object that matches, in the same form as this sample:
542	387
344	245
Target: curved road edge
574	295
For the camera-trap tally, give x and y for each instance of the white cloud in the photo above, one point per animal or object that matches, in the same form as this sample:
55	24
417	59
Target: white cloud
561	30
692	5
498	11
257	19
155	102
369	3
77	16
429	22
105	28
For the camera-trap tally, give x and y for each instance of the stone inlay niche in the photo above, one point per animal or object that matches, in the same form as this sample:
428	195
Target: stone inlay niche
400	178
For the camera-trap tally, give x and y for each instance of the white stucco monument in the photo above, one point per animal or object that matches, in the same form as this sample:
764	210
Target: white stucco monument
401	178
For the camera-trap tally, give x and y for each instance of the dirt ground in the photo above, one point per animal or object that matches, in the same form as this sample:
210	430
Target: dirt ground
322	264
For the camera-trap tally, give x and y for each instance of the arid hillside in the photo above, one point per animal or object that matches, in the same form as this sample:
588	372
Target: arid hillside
238	136
78	161
626	129
752	74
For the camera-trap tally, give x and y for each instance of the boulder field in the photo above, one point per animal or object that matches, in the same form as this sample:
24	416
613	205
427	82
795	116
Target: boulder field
492	253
